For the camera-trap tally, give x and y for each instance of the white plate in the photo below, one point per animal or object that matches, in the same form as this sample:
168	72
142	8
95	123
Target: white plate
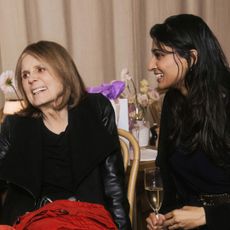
148	154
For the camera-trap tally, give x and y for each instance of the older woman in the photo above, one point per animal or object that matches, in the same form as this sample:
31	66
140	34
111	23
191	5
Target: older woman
60	156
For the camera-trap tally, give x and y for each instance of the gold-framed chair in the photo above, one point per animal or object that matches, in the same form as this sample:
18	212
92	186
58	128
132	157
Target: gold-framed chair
128	141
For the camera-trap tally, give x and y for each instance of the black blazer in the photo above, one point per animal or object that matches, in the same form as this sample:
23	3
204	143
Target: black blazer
96	160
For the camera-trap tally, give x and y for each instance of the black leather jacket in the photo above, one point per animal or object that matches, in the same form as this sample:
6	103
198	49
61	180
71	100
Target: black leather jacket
20	158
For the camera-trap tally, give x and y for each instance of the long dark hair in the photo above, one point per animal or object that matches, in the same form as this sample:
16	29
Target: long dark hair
201	118
63	66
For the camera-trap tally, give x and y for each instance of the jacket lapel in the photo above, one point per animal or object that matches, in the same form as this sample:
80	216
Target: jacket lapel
22	165
90	141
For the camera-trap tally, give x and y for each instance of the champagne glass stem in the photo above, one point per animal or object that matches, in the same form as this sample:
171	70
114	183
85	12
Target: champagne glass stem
157	214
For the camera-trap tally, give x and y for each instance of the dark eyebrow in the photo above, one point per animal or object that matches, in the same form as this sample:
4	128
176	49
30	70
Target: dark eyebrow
155	50
24	71
39	66
35	67
163	51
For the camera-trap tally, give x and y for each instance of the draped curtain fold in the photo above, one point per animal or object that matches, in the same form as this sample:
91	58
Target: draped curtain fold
103	36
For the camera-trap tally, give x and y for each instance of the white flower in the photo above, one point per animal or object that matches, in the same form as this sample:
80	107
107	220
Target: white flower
144	83
139	98
143	100
7	82
125	76
144	89
8	86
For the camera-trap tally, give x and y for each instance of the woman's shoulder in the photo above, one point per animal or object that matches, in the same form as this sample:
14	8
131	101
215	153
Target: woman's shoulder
14	125
170	97
171	93
15	120
94	102
97	98
100	104
99	101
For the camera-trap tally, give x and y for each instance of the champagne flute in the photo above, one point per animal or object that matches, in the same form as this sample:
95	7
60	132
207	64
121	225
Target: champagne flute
153	188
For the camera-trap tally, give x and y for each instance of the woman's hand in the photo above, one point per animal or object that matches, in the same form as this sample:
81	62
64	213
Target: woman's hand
187	217
155	221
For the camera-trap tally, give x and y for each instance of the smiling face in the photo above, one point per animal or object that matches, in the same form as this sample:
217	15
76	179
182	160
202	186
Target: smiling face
41	86
168	67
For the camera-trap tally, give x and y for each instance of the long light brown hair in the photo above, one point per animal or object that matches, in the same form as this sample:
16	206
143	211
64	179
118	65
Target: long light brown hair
63	66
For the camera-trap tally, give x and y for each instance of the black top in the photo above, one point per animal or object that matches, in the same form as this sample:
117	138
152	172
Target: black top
195	174
57	172
187	175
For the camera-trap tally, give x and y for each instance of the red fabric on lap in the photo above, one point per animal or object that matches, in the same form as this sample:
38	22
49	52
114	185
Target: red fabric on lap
6	227
67	215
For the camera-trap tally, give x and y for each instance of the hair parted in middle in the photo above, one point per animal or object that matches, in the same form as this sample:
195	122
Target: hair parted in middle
197	116
63	66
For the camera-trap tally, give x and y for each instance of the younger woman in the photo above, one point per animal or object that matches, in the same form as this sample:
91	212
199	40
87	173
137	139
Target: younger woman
194	145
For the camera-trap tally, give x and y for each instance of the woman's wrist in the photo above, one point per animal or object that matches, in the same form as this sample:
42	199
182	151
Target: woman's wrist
202	218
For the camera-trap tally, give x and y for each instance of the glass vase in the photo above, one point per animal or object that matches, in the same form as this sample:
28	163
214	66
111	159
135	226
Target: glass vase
136	113
141	132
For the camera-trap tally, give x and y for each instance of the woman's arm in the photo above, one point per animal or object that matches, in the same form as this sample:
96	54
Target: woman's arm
218	215
113	169
4	148
115	191
4	138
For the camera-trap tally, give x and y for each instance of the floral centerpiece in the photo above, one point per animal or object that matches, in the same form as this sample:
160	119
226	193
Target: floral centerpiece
140	98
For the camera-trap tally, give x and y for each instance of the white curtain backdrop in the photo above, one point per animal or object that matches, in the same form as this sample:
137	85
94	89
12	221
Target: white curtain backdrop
103	36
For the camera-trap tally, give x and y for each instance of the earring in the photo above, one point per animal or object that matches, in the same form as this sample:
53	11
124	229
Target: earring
191	68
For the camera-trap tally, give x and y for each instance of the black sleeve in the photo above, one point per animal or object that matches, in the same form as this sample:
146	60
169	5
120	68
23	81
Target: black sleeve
218	216
113	170
4	139
4	148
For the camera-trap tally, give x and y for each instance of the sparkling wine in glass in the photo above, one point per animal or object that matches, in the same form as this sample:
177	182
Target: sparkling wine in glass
154	188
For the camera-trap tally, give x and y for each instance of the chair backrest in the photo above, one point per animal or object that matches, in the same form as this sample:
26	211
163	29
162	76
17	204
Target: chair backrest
129	143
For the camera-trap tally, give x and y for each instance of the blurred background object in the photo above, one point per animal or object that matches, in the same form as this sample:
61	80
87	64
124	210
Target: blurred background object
12	107
2	103
12	101
102	36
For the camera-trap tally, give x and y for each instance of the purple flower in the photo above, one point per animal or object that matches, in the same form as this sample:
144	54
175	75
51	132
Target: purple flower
110	90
